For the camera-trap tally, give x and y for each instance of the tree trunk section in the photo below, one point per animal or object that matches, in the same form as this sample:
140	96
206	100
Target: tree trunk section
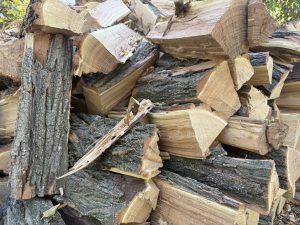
40	149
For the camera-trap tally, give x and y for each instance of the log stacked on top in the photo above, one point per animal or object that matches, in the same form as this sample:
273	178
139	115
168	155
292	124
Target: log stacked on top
221	144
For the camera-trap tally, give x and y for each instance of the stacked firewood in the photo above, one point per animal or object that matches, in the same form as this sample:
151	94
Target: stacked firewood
149	112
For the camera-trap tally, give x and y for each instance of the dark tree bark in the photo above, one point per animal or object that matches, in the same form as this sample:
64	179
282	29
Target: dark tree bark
40	150
30	212
253	182
136	152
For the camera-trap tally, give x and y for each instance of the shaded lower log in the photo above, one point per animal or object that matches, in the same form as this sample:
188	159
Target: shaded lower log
253	182
30	212
104	92
262	64
258	136
279	75
287	161
4	198
135	154
203	82
183	200
254	104
188	132
109	198
40	149
269	219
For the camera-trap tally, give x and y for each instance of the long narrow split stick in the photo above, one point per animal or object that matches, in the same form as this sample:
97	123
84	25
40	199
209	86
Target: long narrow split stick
136	111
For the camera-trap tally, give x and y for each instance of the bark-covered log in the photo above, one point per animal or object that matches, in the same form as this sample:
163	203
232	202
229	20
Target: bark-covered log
104	92
204	82
295	73
40	152
283	45
279	75
135	153
184	200
287	162
262	64
30	212
108	198
4	199
253	182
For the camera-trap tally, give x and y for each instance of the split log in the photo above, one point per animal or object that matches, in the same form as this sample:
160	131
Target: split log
290	96
293	135
184	199
135	154
148	14
254	104
109	198
43	117
102	93
262	63
30	212
8	115
279	75
200	33
200	82
253	182
241	71
260	23
189	132
103	50
136	111
295	73
269	219
283	45
258	136
11	55
57	17
287	161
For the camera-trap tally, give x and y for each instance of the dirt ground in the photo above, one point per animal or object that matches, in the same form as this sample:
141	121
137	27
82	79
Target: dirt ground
289	216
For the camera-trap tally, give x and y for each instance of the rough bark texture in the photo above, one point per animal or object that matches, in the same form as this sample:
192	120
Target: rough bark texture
127	154
245	180
4	199
101	196
258	58
39	153
295	74
161	87
30	212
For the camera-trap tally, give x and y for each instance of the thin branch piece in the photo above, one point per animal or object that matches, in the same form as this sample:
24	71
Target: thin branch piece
136	111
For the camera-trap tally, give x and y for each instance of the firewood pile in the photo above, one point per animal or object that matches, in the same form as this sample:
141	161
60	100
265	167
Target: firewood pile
149	112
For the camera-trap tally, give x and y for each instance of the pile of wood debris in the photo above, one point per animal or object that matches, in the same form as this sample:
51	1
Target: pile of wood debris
149	112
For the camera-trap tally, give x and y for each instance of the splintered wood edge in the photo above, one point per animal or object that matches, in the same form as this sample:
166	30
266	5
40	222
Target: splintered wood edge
278	88
141	206
273	188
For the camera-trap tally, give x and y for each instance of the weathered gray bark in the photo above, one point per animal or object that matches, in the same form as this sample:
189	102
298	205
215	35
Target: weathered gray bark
242	179
161	87
127	154
4	199
258	58
99	196
295	74
30	212
40	150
